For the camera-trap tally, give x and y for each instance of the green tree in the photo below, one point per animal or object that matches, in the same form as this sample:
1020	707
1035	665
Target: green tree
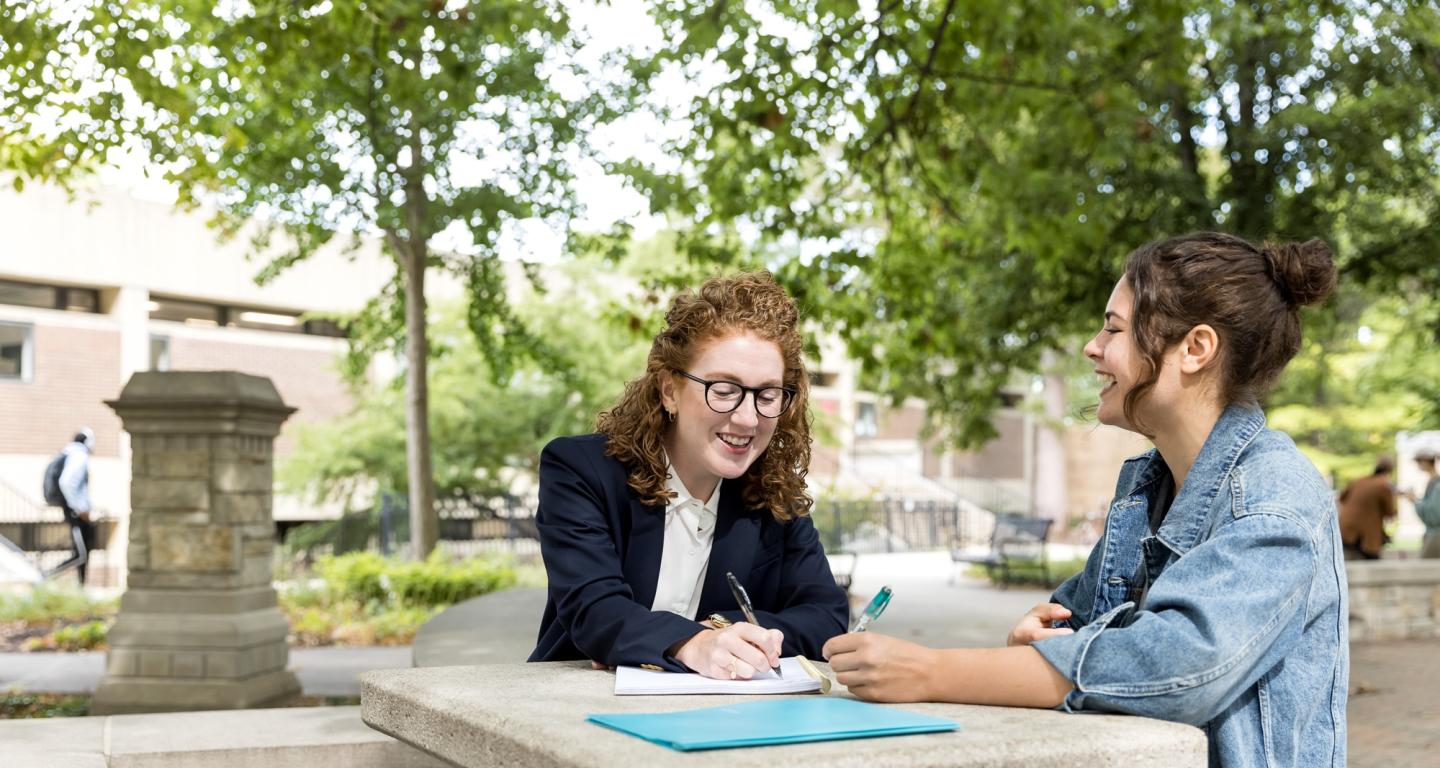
434	126
487	431
966	178
1369	370
37	83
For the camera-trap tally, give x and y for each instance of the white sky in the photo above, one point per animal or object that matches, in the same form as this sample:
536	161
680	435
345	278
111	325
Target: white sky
608	26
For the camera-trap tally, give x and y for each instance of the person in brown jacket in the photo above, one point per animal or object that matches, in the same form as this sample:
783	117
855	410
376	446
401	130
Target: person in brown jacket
1365	505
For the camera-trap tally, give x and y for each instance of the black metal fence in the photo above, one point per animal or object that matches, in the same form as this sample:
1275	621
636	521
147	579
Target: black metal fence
507	524
897	525
42	535
467	526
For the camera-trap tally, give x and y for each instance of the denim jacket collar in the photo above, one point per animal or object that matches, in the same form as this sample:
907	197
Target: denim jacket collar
1189	515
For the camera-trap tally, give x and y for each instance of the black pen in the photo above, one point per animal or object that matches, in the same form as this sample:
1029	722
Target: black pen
744	600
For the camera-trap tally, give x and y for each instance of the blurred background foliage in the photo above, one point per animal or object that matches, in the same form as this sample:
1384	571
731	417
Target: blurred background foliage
950	188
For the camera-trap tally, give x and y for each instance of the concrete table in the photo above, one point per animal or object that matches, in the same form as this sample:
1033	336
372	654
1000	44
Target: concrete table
534	715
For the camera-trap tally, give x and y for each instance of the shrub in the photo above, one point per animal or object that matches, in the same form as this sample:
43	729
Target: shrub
82	637
355	576
398	627
15	705
85	636
367	578
46	603
365	599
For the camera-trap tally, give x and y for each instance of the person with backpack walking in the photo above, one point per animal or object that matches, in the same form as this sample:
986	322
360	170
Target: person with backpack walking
67	486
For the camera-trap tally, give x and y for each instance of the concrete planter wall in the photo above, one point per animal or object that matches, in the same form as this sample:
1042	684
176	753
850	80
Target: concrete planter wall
1394	599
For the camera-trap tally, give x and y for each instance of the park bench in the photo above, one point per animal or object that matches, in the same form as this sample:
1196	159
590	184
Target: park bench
1017	541
842	567
522	528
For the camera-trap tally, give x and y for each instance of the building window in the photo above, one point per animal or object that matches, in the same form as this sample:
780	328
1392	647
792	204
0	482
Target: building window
16	352
823	379
159	353
266	321
218	315
49	296
324	327
78	299
867	424
188	312
26	295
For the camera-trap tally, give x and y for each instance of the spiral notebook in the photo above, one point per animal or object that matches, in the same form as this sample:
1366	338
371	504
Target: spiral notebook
780	721
634	681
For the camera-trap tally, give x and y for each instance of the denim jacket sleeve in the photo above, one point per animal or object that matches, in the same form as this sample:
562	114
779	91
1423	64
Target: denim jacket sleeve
1213	622
1428	507
1075	589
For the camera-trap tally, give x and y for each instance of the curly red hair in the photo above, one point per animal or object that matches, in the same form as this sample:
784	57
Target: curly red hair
636	425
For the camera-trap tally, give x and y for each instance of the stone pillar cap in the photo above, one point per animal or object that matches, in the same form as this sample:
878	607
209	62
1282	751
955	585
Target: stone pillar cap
201	386
210	396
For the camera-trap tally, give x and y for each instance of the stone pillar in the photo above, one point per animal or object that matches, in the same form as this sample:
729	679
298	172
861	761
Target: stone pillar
198	626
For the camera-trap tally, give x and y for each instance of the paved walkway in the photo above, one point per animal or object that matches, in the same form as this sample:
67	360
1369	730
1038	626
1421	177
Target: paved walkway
1395	704
322	671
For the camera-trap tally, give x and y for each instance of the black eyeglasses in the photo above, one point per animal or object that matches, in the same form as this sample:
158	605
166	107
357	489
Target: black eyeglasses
726	396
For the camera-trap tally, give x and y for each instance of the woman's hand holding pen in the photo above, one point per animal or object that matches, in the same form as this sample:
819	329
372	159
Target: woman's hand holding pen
732	653
1035	625
877	667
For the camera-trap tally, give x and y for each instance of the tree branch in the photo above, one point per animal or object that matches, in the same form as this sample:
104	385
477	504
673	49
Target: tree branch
928	66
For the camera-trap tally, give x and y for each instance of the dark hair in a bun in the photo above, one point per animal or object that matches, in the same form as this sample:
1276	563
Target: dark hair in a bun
1251	295
1304	272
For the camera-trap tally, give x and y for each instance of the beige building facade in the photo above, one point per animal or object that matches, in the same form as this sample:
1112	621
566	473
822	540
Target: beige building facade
98	286
1045	459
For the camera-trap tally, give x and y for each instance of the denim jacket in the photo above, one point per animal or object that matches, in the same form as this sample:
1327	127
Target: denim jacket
1243	628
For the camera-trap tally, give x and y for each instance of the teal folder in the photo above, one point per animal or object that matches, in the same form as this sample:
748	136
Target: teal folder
782	721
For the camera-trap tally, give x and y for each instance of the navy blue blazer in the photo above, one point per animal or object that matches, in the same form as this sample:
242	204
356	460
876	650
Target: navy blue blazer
602	554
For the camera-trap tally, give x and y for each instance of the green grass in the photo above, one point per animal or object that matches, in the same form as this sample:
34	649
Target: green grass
1029	574
17	706
48	604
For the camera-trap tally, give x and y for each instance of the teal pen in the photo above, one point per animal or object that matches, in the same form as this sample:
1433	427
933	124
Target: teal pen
873	610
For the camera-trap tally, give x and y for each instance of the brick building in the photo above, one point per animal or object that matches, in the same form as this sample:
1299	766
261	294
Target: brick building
95	288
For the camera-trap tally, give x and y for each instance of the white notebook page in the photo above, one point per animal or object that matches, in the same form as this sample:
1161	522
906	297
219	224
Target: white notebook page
634	681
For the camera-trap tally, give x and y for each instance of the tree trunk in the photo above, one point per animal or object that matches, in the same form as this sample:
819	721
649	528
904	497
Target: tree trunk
424	525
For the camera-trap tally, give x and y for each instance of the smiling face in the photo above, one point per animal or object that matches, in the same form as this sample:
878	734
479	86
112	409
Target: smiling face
1118	362
704	446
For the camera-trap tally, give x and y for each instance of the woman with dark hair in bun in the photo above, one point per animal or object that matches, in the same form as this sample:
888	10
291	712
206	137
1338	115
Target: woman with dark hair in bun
1216	595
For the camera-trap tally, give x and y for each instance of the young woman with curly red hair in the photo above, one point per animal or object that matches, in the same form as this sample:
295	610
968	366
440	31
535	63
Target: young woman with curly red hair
697	471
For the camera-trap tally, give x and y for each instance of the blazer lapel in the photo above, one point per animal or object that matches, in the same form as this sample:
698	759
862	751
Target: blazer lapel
642	556
737	533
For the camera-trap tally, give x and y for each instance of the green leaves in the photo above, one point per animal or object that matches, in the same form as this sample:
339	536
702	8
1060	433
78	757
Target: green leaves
486	424
974	174
386	118
433	128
